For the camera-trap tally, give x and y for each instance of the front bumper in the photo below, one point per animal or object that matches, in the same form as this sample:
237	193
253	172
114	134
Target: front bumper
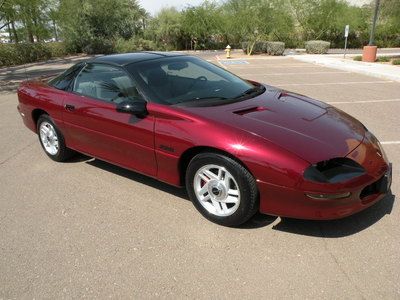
365	190
286	202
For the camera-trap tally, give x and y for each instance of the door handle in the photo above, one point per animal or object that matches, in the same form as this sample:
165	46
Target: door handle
69	107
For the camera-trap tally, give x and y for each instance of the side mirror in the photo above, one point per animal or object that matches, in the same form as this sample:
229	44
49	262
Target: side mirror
137	108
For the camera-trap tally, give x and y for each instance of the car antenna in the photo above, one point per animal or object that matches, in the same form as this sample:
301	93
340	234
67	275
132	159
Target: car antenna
26	73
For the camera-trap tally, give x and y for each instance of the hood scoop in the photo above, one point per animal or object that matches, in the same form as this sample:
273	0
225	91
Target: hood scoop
249	110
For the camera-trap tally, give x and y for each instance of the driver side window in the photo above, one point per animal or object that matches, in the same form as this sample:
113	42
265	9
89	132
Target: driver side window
106	83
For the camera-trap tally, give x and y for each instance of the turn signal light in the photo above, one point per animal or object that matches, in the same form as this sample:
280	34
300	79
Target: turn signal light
328	196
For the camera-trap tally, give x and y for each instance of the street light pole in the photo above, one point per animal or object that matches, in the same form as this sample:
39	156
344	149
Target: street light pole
372	34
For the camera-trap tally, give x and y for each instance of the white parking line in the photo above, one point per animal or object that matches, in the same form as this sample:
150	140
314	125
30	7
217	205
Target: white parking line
334	83
219	62
364	101
391	143
299	73
275	66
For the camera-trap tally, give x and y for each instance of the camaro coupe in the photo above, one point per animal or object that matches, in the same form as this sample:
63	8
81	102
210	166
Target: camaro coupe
237	145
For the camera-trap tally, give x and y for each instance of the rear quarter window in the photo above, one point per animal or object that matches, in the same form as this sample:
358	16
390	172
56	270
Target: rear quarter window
64	80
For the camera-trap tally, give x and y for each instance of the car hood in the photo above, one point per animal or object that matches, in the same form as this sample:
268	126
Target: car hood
311	129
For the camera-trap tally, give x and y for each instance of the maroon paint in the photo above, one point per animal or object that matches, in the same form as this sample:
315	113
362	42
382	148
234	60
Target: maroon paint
275	135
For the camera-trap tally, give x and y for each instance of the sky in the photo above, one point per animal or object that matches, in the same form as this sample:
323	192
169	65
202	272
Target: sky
154	6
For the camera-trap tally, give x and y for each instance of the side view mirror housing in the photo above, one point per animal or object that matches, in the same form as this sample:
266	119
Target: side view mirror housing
137	108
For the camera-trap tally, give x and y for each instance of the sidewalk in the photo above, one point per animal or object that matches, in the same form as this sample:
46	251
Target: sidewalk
379	70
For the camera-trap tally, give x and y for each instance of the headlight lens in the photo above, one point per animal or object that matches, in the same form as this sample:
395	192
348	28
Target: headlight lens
335	170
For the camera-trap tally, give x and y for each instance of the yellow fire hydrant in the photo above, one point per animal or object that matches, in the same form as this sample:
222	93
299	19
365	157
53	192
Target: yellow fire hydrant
228	51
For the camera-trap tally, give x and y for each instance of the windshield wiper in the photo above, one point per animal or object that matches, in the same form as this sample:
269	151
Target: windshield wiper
257	89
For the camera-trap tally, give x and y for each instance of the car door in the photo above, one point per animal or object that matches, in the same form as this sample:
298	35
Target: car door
95	127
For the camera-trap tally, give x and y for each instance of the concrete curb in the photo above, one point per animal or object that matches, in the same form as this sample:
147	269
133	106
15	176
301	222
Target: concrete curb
389	72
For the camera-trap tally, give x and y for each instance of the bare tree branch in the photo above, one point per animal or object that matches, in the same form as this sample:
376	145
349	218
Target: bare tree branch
4	25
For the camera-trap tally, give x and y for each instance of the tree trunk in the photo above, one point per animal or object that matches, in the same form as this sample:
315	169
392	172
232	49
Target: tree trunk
55	30
36	31
9	31
16	40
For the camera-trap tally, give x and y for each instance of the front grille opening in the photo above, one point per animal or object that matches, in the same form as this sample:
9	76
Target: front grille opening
377	187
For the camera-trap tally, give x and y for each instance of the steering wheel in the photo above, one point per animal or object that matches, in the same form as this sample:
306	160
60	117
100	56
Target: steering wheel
197	80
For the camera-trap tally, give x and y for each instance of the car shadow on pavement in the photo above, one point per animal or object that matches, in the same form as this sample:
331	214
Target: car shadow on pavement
154	183
341	227
328	229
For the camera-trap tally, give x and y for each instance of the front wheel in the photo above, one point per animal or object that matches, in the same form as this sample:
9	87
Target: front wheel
221	189
52	140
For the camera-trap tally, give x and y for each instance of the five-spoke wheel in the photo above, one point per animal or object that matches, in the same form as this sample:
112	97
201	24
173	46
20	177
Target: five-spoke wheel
52	140
217	190
48	136
221	189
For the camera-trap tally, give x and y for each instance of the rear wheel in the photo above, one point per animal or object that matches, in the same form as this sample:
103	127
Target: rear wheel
52	140
221	189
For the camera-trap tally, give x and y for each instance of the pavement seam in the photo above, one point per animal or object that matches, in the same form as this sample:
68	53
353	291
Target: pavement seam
16	154
335	259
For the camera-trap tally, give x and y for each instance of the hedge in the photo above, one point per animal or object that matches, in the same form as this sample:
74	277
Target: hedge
272	48
275	48
22	53
317	47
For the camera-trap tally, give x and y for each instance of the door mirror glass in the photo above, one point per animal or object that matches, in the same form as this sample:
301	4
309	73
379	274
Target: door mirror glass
137	108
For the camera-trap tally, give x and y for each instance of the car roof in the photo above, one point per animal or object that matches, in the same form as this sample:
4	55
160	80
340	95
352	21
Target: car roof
129	58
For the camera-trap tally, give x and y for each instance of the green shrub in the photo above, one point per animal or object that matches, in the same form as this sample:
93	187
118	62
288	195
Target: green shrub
317	47
383	59
275	48
396	61
134	44
22	53
99	45
58	49
29	52
357	58
145	45
8	55
259	47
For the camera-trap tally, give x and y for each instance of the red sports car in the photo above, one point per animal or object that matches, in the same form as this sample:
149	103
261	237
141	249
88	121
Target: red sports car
238	146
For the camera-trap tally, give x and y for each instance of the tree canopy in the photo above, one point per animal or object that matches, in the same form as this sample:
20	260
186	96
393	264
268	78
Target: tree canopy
99	25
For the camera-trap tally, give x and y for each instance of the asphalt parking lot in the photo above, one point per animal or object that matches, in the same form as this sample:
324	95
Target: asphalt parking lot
89	229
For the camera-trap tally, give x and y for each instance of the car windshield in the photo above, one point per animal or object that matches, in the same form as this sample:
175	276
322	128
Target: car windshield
187	80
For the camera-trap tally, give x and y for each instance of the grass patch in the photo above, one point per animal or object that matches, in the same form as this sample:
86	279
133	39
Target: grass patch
396	61
383	59
357	58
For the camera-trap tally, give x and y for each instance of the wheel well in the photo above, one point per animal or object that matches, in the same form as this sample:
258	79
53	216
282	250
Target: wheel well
187	156
36	113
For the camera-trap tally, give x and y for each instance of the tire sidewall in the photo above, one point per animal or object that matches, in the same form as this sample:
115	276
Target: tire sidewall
61	154
248	190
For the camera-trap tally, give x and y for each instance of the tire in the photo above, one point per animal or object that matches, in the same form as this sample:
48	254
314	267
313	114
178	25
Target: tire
221	189
52	140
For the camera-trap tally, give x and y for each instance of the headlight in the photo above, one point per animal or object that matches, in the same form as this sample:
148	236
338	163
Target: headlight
335	170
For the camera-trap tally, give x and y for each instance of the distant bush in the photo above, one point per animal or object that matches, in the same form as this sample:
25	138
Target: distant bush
99	45
275	48
357	58
135	44
317	47
8	55
383	59
58	49
396	61
16	54
22	53
258	47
